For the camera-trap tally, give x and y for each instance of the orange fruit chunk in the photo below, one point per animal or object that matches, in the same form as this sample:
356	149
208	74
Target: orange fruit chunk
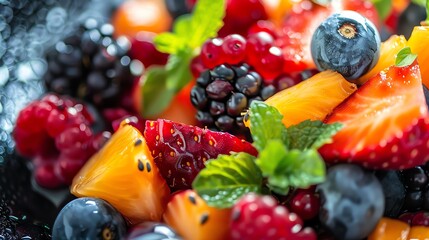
418	44
419	233
124	174
390	229
313	98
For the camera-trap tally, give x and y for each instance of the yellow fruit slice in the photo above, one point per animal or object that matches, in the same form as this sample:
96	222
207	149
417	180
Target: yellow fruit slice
389	50
418	44
390	229
313	98
124	174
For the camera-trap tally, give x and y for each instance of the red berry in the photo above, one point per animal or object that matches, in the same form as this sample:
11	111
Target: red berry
270	64
306	204
406	217
263	26
45	176
234	48
144	50
72	142
197	66
260	217
211	53
420	219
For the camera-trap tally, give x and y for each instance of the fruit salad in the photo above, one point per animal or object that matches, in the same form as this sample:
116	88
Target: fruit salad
228	119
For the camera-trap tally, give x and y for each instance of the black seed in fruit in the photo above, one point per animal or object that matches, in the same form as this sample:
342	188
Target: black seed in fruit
219	89
236	103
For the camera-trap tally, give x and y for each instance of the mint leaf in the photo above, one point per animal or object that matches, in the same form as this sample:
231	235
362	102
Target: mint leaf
265	124
169	43
383	7
420	2
179	72
405	57
294	168
156	95
207	19
228	177
311	134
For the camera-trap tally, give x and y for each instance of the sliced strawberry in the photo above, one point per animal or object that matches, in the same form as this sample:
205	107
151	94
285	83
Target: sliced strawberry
180	150
193	219
302	21
386	122
124	174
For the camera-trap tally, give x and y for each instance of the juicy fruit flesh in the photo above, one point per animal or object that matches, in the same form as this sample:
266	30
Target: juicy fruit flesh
313	98
419	37
124	174
377	115
193	219
389	50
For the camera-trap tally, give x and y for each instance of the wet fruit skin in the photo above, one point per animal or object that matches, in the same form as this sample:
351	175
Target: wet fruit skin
193	219
352	201
346	42
89	218
124	174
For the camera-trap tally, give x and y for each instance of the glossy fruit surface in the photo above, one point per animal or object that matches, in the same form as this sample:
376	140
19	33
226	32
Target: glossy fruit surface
419	35
346	42
152	231
385	121
313	98
394	192
193	219
89	218
352	201
388	52
390	229
124	174
260	217
419	232
180	150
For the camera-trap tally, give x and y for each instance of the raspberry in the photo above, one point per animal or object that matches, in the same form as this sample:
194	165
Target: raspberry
91	65
260	217
62	141
222	94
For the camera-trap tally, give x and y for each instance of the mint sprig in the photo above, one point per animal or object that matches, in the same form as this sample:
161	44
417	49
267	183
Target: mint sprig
288	158
225	179
189	33
384	7
405	57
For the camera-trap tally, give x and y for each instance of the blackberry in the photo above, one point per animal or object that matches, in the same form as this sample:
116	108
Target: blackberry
91	65
223	93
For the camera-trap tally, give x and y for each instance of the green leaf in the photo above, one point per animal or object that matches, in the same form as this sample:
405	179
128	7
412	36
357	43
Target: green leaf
405	57
294	168
265	124
383	7
420	2
156	94
207	19
179	72
311	134
228	177
169	43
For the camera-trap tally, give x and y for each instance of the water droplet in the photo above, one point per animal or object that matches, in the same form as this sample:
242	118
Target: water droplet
56	20
136	67
4	76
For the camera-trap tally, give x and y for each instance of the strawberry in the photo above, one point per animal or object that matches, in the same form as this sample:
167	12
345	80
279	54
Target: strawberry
259	217
193	219
300	24
124	174
386	122
180	150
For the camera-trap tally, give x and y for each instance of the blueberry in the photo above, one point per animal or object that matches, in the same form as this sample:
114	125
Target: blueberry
89	218
352	202
152	231
346	42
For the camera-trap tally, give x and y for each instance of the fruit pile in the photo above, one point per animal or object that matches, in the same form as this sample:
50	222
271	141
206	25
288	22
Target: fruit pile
238	119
